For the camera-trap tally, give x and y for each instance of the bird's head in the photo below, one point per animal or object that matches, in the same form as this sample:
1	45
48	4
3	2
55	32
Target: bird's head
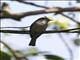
43	20
46	18
50	19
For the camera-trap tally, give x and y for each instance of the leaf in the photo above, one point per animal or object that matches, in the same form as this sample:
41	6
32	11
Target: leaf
77	42
53	57
4	56
33	51
62	25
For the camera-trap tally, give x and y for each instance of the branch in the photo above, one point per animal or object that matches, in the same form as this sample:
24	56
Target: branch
45	7
18	16
75	30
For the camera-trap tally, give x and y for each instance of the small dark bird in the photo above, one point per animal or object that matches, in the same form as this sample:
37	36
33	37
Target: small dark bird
37	28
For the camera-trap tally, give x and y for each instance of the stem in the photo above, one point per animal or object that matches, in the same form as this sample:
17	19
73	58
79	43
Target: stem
67	46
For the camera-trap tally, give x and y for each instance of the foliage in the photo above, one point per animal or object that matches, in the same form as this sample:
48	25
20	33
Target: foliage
54	57
4	56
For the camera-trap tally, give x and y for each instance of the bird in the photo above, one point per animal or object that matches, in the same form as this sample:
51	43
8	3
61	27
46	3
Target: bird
37	28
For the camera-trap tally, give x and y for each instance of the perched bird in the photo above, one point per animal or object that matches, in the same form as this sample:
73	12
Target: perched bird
37	28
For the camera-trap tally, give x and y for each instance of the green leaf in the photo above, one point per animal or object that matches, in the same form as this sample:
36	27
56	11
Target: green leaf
4	56
53	57
33	51
78	25
77	42
62	25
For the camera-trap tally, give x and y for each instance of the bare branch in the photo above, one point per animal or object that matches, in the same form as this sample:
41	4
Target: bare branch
37	12
15	27
75	30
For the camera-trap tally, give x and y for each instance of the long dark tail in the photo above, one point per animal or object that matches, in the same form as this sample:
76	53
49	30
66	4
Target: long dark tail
32	42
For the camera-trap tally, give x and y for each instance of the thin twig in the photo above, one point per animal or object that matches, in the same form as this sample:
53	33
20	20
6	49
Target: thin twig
67	46
33	4
14	27
70	18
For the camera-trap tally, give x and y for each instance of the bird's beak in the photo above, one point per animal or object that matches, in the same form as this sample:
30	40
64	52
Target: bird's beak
50	18
50	21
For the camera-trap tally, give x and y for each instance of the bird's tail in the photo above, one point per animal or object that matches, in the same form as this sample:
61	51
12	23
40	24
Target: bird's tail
32	42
